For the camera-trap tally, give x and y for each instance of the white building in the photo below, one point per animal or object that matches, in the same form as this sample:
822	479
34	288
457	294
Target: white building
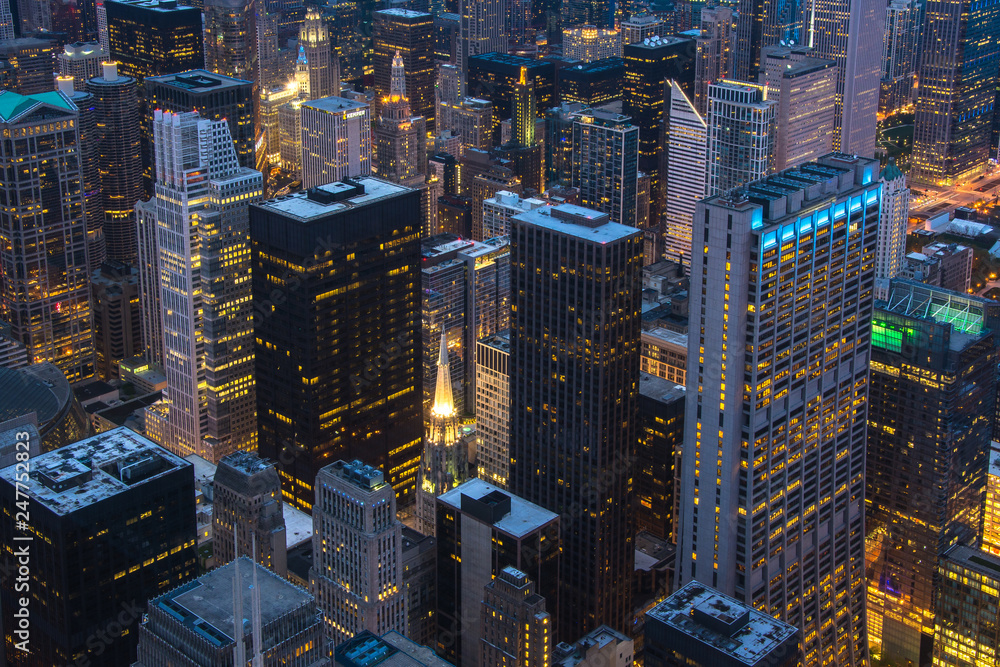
357	572
591	43
202	221
498	211
336	140
890	256
685	151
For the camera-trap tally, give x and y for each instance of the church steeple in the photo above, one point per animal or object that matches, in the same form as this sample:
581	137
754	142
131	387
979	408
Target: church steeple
444	397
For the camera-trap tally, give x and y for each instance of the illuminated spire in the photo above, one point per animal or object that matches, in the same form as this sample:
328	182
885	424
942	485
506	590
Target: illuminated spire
397	84
444	398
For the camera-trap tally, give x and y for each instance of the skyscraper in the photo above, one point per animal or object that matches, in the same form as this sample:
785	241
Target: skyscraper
523	150
336	140
892	228
362	394
114	292
148	265
493	409
482	30
400	137
323	61
591	43
151	38
202	198
957	94
100	509
661	414
965	629
685	155
357	572
495	76
772	489
116	108
742	132
411	35
805	89
45	295
445	461
27	64
927	457
761	24
82	61
852	36
715	57
605	163
90	169
899	56
517	631
576	276
596	13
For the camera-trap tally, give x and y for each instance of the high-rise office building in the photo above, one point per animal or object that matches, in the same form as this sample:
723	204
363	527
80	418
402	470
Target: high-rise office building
591	43
499	210
965	629
661	434
927	458
714	59
420	581
787	462
90	169
271	102
445	461
889	257
605	163
480	531
899	56
194	623
101	509
290	134
957	93
362	394
596	13
761	24
114	294
336	140
495	77
517	631
482	30
6	21
700	627
742	133
523	150
400	136
148	266
357	572
472	120
247	517
493	177
27	64
592	84
201	208
685	155
578	403
116	109
411	35
648	66
82	61
805	89
45	294
850	34
154	37
641	27
493	409
991	509
323	62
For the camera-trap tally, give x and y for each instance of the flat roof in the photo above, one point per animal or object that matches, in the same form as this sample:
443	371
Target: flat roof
994	468
662	390
333	103
299	205
199	80
976	560
95	469
749	644
666	336
404	13
601	233
524	517
499	340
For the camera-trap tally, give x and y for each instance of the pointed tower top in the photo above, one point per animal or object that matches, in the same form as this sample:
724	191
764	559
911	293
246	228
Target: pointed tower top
302	60
444	399
397	84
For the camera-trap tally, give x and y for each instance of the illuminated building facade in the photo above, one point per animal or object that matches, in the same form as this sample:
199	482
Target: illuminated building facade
352	250
742	132
153	37
117	493
761	24
45	294
336	140
605	163
930	419
517	631
114	291
82	61
714	60
685	154
445	461
482	30
290	136
597	13
411	35
202	199
270	115
116	109
323	61
575	413
664	354
966	630
889	258
899	56
400	137
26	64
661	435
784	466
90	155
357	572
591	43
641	27
493	409
593	83
480	531
957	94
148	266
499	210
991	511
494	76
648	65
472	121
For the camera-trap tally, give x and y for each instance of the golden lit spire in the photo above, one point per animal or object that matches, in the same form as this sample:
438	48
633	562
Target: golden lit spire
444	398
397	83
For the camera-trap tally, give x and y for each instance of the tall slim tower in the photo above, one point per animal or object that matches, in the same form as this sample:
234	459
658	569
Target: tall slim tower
445	462
685	151
605	163
760	24
116	108
336	140
45	292
955	101
482	30
323	63
742	130
517	631
772	477
400	138
411	35
574	398
892	228
715	53
899	55
202	199
851	33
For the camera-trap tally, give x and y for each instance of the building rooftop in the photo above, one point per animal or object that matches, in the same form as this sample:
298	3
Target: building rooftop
404	13
39	388
662	390
365	477
334	104
80	50
324	200
500	341
95	469
976	560
14	106
522	518
587	647
199	80
604	117
994	468
652	552
156	5
722	623
205	605
657	42
659	334
390	650
577	221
